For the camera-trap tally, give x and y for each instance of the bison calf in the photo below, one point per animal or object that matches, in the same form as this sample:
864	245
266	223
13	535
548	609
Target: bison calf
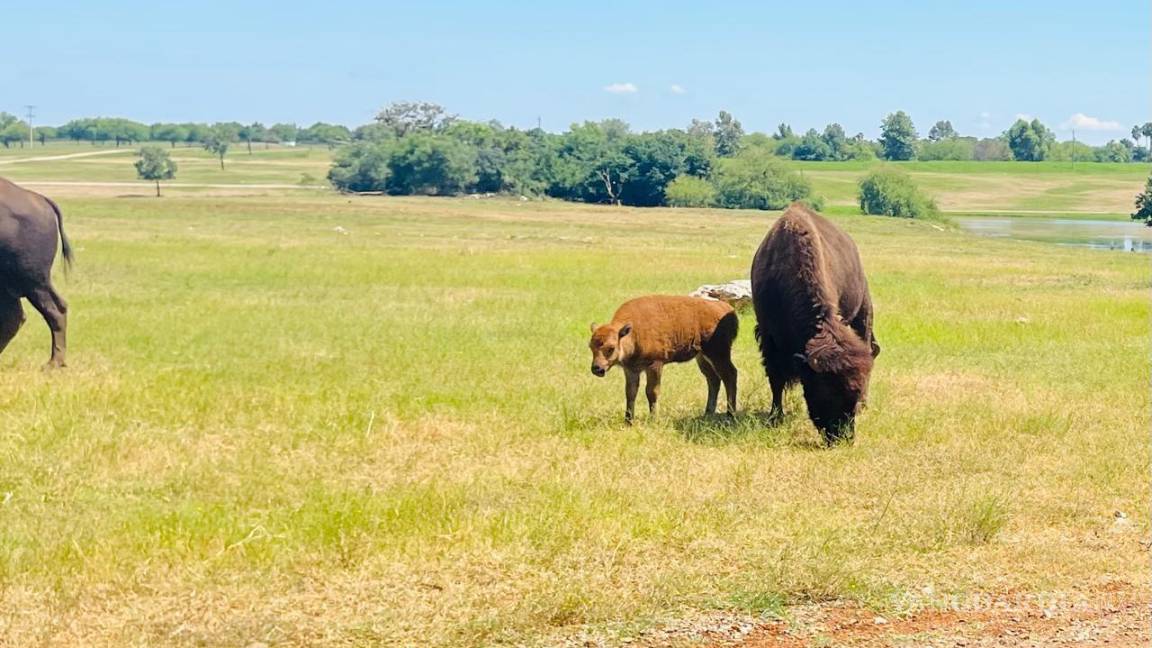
648	332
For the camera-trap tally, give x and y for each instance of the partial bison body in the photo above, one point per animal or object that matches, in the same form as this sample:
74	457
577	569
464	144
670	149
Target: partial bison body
648	332
814	318
30	228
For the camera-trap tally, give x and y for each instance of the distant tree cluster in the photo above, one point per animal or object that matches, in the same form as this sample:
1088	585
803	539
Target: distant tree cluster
418	148
102	130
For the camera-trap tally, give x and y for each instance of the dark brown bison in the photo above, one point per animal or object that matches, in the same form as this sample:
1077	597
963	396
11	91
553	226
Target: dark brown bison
814	318
648	332
30	226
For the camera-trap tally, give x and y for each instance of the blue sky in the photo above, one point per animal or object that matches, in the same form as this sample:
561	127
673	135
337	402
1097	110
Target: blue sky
654	64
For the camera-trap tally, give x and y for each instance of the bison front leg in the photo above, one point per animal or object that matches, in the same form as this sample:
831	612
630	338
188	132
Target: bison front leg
11	319
631	387
652	386
777	383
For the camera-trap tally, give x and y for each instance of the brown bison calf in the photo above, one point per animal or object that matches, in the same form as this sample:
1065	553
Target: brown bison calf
648	332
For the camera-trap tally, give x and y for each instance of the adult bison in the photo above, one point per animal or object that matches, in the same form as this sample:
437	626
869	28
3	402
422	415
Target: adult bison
30	225
814	318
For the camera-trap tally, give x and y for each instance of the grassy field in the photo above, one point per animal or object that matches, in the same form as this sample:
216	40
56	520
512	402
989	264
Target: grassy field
323	420
275	165
1102	189
1052	188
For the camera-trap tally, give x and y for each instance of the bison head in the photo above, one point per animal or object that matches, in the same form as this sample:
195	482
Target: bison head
834	370
609	345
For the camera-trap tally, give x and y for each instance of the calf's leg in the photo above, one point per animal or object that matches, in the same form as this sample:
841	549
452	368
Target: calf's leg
11	318
54	310
713	382
652	386
631	386
722	362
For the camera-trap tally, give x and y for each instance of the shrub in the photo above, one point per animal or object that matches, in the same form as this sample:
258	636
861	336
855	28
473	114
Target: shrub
690	191
758	181
945	149
1144	204
889	192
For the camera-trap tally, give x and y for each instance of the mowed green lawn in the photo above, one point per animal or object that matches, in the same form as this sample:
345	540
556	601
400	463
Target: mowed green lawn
271	165
276	431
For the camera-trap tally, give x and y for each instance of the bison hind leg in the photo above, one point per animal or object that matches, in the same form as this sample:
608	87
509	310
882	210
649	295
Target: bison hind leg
11	319
54	310
713	383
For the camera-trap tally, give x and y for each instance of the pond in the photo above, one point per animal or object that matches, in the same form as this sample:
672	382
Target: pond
1127	236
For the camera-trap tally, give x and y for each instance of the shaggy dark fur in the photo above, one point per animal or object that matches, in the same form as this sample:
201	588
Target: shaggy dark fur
814	318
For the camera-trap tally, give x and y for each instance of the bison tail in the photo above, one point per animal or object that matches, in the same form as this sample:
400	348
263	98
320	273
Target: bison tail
65	244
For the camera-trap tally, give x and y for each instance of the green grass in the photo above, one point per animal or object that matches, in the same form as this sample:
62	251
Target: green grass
275	165
274	431
1087	188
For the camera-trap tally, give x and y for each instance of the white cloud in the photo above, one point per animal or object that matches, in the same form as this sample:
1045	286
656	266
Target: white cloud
677	88
1085	122
621	88
1024	116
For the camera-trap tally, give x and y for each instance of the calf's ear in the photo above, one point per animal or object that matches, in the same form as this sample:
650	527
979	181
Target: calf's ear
592	327
625	330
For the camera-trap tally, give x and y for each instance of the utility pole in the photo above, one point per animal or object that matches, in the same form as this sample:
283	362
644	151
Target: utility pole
31	113
1073	149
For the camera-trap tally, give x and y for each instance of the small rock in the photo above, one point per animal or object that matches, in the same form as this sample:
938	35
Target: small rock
880	620
737	293
340	230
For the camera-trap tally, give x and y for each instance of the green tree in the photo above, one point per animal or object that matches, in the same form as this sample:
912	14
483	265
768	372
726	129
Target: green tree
1144	204
155	164
283	133
425	164
252	132
690	191
942	130
1115	151
218	139
898	137
1146	131
728	132
836	140
12	130
991	148
44	133
1029	141
954	148
891	192
330	135
758	180
591	165
812	147
783	131
404	117
170	133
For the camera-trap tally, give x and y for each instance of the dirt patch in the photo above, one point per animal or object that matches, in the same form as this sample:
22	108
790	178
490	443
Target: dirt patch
1112	623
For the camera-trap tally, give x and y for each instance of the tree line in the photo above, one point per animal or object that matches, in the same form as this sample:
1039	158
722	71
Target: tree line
419	148
120	131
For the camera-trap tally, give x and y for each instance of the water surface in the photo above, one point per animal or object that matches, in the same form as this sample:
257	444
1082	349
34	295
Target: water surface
1126	236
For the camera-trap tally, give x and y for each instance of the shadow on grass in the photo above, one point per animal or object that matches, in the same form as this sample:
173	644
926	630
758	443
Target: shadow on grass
764	427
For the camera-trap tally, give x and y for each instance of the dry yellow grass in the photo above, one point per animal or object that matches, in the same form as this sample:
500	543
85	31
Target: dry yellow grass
276	431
